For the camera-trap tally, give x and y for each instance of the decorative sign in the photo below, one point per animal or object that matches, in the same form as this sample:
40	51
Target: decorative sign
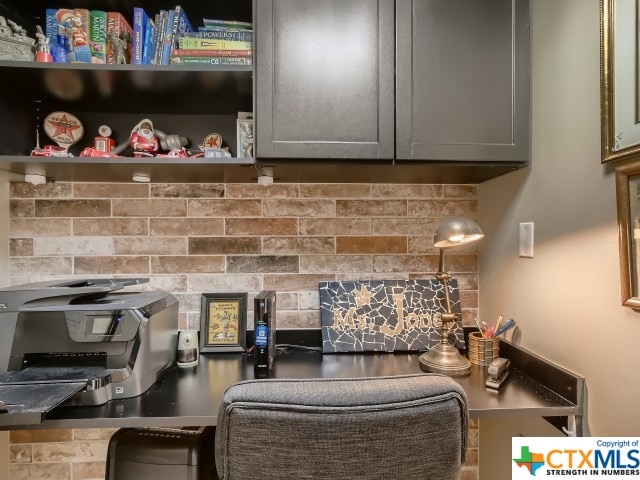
385	315
63	128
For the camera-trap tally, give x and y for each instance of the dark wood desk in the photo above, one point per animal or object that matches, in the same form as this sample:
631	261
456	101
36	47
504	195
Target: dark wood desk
191	396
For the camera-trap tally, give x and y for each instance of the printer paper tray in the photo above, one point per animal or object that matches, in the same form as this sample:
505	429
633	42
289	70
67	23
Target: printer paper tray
30	393
28	404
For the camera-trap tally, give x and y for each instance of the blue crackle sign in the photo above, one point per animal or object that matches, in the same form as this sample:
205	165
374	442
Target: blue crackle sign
385	315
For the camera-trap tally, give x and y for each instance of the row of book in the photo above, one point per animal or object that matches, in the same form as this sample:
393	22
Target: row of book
218	42
168	37
84	34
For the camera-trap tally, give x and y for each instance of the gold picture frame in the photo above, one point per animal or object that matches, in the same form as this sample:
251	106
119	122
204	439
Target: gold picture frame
223	320
619	79
628	204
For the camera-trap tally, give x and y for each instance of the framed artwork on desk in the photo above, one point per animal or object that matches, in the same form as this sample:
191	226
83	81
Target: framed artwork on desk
223	322
619	82
628	204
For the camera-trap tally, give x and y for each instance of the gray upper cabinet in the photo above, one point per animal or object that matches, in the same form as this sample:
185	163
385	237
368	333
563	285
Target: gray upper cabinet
437	80
462	80
324	78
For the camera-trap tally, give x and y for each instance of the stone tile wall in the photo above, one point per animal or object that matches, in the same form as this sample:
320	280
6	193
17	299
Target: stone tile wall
195	238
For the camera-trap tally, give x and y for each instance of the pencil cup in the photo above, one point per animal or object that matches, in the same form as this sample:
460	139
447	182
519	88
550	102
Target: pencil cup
482	351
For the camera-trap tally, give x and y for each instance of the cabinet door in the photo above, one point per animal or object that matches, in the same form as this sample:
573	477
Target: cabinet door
324	78
463	80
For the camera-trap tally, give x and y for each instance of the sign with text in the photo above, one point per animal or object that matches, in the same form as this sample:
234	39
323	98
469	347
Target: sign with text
386	315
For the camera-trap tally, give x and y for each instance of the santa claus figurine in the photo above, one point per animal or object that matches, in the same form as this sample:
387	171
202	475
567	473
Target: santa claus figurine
143	140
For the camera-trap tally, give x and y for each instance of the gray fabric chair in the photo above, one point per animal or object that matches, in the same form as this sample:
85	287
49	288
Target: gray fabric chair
402	427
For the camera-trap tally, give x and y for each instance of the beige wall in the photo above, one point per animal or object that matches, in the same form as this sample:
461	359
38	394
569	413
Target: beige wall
566	299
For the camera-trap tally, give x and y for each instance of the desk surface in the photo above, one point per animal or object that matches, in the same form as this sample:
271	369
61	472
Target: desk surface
191	396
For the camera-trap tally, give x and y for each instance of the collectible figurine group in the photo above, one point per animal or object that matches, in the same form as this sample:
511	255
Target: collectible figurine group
66	129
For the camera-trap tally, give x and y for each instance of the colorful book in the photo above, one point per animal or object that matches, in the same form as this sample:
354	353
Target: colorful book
154	38
216	61
188	43
98	36
167	38
222	34
82	31
118	24
147	45
215	23
161	26
51	28
178	24
179	52
140	19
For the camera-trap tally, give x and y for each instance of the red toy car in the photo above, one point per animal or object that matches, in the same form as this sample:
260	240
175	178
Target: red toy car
50	151
93	152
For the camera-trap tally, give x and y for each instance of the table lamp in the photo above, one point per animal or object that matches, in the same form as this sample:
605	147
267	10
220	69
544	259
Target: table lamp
443	357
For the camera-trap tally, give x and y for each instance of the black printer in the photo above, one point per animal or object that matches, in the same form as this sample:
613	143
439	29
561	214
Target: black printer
80	342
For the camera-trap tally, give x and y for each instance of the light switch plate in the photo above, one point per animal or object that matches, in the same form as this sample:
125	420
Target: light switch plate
526	239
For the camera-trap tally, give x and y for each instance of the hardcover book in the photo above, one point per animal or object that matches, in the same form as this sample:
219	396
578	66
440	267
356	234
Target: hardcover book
179	24
97	36
179	52
147	42
167	38
222	34
118	24
154	38
161	25
51	28
215	23
204	60
187	43
140	21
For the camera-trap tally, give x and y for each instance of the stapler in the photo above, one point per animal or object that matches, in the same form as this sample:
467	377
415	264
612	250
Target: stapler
498	372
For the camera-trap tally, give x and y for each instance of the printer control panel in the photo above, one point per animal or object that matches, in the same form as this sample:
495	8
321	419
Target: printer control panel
92	326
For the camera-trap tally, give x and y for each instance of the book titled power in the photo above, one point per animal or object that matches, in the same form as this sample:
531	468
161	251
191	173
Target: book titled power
180	52
188	43
222	34
205	60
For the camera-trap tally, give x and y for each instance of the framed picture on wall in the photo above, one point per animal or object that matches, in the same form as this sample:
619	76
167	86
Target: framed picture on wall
223	321
628	203
619	83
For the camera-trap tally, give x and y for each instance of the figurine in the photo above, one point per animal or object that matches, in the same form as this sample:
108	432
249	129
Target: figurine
143	140
60	50
18	31
119	45
171	142
14	42
103	142
43	53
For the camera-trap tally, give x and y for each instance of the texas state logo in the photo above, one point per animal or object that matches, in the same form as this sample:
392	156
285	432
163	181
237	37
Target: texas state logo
575	457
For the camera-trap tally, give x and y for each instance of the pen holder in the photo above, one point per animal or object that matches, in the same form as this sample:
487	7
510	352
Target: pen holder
482	351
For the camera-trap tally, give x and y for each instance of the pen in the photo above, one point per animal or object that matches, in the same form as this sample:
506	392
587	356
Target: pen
507	325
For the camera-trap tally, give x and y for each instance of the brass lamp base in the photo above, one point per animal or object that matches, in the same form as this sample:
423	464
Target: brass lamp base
445	359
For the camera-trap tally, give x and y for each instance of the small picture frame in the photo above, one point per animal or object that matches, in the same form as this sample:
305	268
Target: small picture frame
244	133
223	320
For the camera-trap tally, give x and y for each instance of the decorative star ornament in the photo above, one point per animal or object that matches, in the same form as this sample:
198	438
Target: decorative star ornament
63	128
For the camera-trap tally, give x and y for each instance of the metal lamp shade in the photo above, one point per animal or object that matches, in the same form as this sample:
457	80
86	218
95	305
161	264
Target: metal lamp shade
456	231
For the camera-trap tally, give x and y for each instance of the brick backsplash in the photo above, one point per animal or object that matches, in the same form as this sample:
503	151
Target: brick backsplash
195	238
